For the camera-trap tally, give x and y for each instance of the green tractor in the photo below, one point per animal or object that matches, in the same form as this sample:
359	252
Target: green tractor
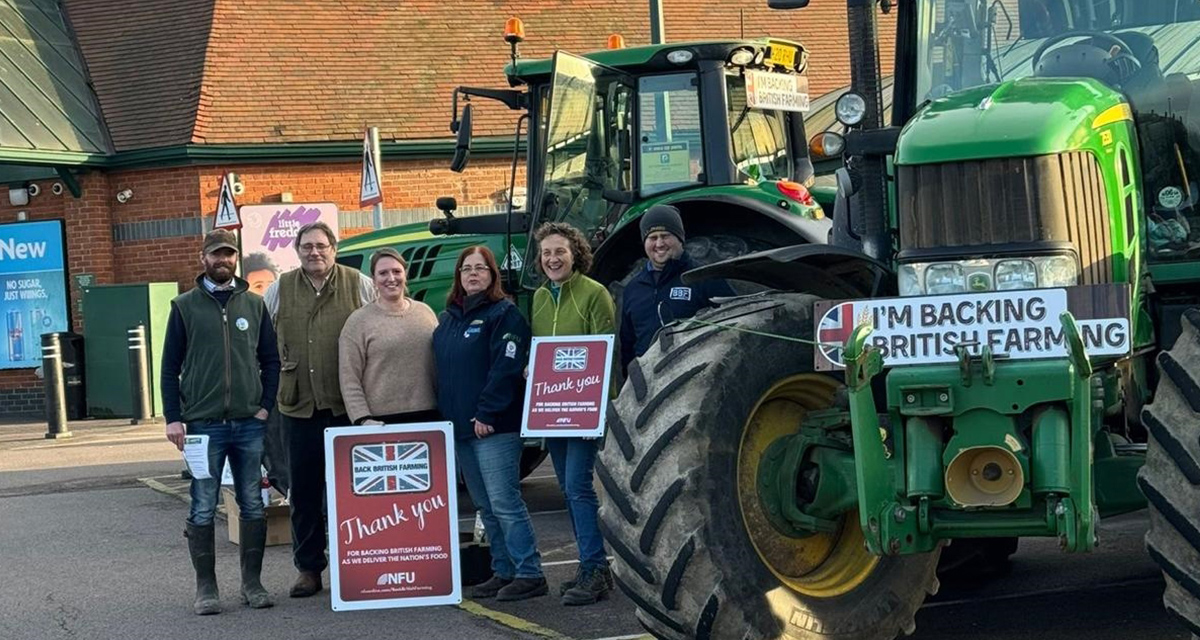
620	130
998	341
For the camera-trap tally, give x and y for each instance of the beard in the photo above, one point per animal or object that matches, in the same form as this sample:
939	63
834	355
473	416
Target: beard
219	273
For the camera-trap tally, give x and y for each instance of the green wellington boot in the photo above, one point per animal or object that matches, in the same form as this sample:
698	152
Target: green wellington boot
204	560
253	534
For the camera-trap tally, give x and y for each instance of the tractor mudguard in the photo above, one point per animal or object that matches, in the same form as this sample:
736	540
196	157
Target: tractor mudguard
823	270
704	213
814	230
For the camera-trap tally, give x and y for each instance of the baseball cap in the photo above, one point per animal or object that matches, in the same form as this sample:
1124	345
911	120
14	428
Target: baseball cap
220	239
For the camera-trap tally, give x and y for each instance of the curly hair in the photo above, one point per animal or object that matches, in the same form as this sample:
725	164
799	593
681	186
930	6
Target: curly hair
581	251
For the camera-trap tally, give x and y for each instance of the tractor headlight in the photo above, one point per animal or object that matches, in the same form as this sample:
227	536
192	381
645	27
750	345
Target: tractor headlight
1016	274
910	280
850	109
1057	271
945	277
741	57
990	274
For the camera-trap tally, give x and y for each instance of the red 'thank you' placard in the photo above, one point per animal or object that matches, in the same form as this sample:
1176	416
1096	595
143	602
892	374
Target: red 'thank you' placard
393	518
567	390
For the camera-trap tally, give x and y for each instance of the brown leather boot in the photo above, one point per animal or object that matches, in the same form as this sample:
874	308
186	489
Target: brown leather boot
307	583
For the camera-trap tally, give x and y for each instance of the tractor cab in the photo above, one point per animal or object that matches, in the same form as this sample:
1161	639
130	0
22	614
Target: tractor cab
1148	51
615	131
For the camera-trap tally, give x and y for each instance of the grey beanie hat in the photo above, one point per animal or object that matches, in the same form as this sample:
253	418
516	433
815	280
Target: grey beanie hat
662	217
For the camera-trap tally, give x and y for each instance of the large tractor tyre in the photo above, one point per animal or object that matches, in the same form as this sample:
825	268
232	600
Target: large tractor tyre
680	510
1171	476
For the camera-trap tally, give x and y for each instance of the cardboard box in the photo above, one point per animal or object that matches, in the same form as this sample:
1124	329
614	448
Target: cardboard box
279	521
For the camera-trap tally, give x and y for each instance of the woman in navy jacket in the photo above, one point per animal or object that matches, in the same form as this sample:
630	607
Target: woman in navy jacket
481	346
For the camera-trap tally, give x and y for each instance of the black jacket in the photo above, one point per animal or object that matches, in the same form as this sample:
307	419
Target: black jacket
640	313
481	351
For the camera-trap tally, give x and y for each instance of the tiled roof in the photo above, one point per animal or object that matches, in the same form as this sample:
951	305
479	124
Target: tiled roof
146	59
47	104
285	71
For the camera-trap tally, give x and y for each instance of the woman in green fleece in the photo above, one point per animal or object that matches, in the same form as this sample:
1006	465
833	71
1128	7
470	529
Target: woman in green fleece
572	304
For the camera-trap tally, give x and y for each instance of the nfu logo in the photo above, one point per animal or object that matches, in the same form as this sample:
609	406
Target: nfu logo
400	577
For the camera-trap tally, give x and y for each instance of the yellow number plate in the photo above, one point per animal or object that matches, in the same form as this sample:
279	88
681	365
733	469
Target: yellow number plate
782	55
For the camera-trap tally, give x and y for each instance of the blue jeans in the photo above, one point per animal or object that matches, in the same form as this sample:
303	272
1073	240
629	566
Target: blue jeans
491	469
574	460
241	441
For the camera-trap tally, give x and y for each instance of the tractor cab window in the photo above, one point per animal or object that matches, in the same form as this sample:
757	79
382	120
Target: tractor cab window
759	137
585	126
1148	50
670	148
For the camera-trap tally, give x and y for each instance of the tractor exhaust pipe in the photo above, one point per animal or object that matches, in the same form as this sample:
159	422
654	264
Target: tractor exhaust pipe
868	213
868	203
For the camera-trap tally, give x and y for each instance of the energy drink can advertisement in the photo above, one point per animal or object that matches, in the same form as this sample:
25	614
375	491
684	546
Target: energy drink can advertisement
33	288
16	337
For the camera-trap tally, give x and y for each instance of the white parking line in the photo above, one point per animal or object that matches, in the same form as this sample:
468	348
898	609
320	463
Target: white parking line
531	513
559	563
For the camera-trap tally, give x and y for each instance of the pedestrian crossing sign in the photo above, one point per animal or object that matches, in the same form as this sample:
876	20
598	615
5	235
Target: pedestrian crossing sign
371	191
227	213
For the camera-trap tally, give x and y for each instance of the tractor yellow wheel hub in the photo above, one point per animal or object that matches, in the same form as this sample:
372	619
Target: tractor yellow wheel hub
823	565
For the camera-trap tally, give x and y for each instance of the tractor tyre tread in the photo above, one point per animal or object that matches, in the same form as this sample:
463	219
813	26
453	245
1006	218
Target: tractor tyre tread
670	541
1169	477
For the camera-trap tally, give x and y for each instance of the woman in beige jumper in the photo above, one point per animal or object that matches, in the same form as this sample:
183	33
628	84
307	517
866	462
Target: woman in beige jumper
385	352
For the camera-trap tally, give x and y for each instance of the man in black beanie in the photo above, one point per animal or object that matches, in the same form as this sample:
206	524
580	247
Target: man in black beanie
661	284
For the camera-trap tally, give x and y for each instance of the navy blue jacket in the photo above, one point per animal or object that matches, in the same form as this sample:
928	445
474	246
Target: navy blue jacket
640	318
481	352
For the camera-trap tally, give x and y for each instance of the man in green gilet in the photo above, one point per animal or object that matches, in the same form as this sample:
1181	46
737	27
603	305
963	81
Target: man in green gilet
309	306
220	368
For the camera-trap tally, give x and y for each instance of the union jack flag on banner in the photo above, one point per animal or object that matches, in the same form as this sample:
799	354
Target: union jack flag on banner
835	328
393	467
570	358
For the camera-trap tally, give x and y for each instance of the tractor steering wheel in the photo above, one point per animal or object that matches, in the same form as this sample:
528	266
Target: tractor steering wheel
1097	37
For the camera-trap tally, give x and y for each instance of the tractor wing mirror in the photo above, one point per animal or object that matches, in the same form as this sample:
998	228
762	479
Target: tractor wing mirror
462	145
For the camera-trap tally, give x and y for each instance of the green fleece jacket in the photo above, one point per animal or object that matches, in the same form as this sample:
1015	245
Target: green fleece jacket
583	308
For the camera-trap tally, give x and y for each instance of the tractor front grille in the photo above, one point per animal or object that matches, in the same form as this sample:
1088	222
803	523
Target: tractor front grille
980	203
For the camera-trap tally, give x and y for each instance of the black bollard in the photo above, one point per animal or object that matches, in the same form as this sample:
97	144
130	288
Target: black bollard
139	375
55	387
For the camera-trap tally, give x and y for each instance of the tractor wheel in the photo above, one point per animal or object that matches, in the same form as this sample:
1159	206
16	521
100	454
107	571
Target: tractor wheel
680	509
1171	475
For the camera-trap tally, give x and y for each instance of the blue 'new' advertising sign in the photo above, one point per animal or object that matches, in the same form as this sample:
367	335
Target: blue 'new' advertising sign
33	280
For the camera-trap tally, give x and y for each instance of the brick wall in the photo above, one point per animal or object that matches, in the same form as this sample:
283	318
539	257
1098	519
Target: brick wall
192	192
89	250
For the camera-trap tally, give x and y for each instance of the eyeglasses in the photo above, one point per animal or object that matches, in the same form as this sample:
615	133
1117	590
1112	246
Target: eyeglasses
479	268
310	247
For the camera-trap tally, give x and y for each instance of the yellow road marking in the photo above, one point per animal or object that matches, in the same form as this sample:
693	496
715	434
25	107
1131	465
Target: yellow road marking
510	621
162	488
